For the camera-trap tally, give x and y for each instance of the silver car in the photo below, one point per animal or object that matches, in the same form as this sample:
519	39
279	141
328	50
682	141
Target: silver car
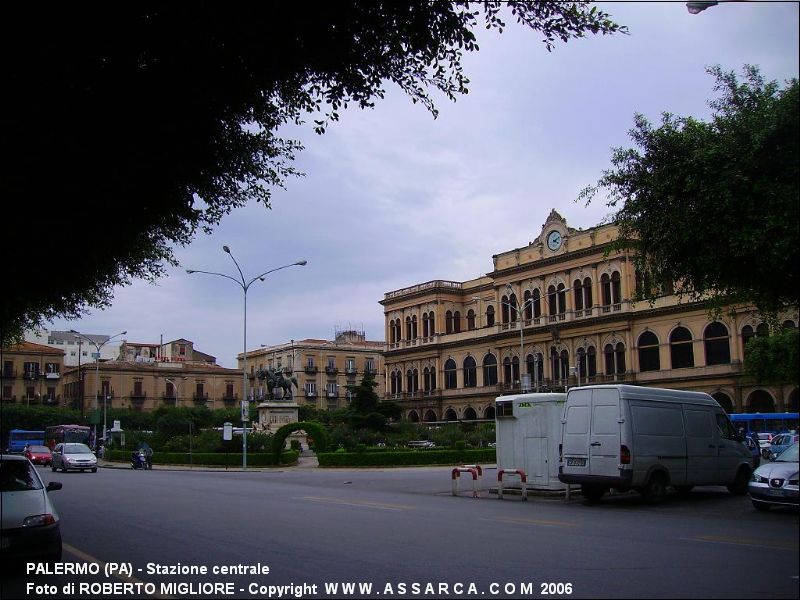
775	483
31	527
73	456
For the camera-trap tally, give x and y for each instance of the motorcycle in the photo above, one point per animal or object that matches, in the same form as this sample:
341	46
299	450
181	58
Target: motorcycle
138	461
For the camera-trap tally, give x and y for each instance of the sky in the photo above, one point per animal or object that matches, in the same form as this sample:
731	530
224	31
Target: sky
392	197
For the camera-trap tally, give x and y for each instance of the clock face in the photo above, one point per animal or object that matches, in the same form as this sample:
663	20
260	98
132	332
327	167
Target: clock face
554	240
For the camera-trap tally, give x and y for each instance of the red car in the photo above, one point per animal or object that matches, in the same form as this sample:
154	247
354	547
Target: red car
38	455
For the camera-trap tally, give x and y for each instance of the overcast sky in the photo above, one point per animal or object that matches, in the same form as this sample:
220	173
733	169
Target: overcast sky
392	197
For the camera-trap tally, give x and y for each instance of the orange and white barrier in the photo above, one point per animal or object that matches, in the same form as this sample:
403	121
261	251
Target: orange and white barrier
518	472
456	474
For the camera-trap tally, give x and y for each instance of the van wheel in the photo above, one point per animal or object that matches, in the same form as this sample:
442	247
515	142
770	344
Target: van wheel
592	493
739	485
655	490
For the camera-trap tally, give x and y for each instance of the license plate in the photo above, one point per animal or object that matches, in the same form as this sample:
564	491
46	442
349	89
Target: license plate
774	492
576	462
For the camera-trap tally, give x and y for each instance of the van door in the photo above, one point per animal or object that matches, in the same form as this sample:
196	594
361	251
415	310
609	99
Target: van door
604	440
729	450
575	435
701	445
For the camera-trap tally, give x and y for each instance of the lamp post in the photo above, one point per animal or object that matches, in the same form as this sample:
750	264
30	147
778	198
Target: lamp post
698	7
177	390
520	313
245	285
97	385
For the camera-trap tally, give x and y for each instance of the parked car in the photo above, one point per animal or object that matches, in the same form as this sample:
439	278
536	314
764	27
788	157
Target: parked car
31	525
775	483
38	455
781	442
73	456
421	444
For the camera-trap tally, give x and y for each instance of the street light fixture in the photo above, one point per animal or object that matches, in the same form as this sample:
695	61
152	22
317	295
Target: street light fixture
97	367
245	285
177	390
520	313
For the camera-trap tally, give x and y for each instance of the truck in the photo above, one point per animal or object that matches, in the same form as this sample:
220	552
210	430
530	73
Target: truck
627	437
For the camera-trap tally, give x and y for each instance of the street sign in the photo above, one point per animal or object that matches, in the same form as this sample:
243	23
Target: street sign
95	355
245	410
227	431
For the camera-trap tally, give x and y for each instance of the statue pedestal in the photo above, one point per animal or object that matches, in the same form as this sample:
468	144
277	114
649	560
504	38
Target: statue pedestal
274	415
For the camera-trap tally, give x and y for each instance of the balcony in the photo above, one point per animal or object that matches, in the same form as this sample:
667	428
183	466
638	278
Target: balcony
200	399
311	394
30	375
310	370
8	399
138	397
230	398
55	375
332	395
331	370
168	399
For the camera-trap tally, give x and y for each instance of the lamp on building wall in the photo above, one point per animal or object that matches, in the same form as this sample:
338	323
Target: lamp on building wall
97	367
245	285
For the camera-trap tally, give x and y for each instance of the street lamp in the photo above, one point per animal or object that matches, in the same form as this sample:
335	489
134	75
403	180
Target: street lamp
177	391
520	313
698	7
245	285
97	366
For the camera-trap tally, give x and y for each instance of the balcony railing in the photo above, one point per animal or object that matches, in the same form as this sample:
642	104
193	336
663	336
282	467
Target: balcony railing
311	394
331	370
200	398
310	370
230	398
169	399
55	375
30	375
140	396
8	399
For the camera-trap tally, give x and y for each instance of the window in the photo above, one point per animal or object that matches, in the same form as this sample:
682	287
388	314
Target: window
470	372
489	370
6	391
511	370
229	390
587	362
649	359
470	320
426	330
369	365
559	364
311	388
430	379
681	349
718	349
331	363
414	327
331	389
457	322
199	390
561	296
615	358
577	288
552	300
137	389
396	383
490	316
513	308
537	304
182	349
408	328
413	381
450	374
309	362
448	322
505	311
527	303
350	365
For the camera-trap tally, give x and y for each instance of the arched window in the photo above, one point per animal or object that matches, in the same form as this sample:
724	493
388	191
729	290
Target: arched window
505	311
470	414
537	304
470	320
450	415
724	401
425	328
616	288
760	401
396	383
513	309
577	292
426	379
450	374
561	293
414	327
413	416
457	322
559	364
507	371
788	325
649	359
552	300
408	329
681	349
412	378
587	293
605	288
430	416
448	322
431	324
718	348
527	303
489	316
488	412
470	372
489	370
392	338
747	335
615	358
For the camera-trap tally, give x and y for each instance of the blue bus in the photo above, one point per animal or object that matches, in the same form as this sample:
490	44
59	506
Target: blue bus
765	422
19	438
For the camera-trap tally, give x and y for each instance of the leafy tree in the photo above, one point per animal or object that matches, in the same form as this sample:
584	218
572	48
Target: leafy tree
713	206
133	126
773	359
366	410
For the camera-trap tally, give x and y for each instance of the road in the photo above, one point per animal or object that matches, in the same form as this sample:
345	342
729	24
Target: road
395	528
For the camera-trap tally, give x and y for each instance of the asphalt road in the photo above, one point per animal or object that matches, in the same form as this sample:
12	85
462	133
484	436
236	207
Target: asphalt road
402	531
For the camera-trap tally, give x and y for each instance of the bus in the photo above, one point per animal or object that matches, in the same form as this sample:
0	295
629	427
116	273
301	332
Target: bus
19	438
764	422
56	434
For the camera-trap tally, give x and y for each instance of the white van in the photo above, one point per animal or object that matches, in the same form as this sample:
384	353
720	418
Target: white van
631	437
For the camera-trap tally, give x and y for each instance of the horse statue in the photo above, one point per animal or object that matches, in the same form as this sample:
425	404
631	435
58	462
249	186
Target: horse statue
277	379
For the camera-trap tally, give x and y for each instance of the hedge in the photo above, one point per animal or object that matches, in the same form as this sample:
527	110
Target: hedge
210	459
405	458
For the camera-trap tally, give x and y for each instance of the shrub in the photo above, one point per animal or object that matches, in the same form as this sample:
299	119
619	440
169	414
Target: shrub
419	457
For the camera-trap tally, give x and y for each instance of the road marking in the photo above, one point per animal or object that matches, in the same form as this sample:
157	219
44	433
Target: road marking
89	558
358	503
535	522
722	539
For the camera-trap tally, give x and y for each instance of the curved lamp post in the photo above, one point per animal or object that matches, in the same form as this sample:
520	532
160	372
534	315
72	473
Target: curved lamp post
521	316
245	285
97	366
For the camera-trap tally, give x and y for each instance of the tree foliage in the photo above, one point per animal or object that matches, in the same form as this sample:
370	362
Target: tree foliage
366	410
713	206
134	125
773	359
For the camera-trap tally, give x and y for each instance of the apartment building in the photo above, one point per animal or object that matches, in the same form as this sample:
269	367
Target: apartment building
77	350
31	374
558	313
323	368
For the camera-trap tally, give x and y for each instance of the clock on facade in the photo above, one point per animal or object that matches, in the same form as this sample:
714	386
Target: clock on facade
554	240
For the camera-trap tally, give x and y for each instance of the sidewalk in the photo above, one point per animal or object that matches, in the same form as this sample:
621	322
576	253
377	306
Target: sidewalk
303	462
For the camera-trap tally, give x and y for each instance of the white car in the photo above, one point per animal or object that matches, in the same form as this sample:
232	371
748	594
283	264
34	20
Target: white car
775	483
73	456
31	526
